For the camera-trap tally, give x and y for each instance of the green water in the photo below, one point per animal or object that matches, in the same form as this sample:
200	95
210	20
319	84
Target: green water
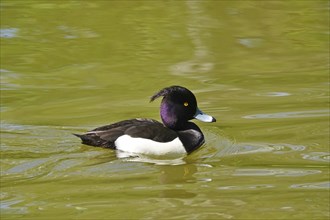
260	67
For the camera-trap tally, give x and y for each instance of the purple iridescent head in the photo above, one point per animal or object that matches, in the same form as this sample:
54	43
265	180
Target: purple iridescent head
178	106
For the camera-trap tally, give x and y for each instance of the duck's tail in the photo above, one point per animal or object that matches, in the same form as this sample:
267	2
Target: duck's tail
92	140
87	139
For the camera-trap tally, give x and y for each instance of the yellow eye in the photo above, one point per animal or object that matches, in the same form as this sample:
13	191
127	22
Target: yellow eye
186	104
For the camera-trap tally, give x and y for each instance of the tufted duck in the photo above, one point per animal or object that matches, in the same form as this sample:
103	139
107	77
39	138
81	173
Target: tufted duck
146	136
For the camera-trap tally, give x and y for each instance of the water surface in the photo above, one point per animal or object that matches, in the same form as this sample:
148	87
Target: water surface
260	67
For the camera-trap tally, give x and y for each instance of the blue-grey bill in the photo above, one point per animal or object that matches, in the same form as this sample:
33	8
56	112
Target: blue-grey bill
203	117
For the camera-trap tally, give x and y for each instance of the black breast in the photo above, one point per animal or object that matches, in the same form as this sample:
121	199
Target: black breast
191	137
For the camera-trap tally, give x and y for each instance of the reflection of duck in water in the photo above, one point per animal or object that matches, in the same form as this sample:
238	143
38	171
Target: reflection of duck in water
177	174
176	136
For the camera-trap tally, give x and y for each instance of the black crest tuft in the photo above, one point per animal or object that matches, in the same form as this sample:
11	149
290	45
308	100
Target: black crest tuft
166	91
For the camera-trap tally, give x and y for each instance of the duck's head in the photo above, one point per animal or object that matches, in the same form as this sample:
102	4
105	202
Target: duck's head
178	106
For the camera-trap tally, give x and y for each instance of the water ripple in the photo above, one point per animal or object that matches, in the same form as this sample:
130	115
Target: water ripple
8	32
275	172
247	187
317	156
246	148
298	114
21	168
274	94
319	185
10	204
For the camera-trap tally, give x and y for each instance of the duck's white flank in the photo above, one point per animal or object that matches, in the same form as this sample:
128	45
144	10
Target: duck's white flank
146	146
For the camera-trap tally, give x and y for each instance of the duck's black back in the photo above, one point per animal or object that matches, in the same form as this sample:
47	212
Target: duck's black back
106	136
